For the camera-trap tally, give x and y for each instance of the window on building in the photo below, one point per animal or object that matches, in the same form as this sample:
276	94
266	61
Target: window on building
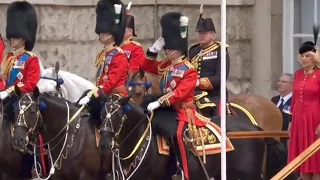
298	19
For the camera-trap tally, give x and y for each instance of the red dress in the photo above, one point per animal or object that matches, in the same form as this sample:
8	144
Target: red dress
305	108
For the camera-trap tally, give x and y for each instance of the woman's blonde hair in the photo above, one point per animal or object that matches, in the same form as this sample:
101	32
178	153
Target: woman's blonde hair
316	57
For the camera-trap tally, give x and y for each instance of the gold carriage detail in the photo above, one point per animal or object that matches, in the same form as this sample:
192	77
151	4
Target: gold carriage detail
211	135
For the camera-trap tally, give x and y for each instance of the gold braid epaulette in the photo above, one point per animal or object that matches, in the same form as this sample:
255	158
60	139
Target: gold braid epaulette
100	58
7	64
162	70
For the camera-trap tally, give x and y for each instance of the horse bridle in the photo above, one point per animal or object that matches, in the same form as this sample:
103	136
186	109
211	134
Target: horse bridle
21	120
58	87
109	112
130	81
113	109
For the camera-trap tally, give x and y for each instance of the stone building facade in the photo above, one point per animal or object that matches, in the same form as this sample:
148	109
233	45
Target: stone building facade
254	30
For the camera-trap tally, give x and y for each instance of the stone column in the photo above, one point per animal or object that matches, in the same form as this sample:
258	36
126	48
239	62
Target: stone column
261	48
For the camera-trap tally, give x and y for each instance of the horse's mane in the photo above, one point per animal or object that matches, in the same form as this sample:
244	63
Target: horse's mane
73	85
58	101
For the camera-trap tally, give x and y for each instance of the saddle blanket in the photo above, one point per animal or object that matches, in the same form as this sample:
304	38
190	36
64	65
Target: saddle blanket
211	135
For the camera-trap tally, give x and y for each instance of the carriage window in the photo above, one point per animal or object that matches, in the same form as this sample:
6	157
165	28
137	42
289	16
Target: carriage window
298	19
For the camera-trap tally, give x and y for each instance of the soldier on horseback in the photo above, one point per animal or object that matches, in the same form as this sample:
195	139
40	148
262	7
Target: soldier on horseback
206	59
21	67
111	62
131	48
177	79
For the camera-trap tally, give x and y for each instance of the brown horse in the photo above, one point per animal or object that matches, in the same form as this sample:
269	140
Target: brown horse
74	152
265	113
10	160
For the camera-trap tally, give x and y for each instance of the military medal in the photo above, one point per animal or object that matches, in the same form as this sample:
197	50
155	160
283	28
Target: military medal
20	77
173	84
105	77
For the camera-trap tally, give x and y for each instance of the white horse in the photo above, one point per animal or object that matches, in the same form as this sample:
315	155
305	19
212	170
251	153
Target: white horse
72	88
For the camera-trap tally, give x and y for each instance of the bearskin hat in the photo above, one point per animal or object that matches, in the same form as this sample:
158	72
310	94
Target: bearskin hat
22	23
111	18
175	31
204	24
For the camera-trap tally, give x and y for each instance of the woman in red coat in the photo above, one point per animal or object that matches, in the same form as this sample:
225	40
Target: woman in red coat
305	108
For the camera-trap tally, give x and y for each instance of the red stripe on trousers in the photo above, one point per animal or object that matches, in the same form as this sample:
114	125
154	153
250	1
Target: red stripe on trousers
42	155
182	149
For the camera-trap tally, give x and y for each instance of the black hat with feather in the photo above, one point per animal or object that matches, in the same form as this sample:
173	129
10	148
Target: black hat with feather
130	20
111	18
309	45
22	23
204	24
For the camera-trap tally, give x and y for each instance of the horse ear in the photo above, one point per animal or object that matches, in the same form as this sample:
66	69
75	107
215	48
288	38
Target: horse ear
57	67
36	92
115	97
125	100
17	90
141	71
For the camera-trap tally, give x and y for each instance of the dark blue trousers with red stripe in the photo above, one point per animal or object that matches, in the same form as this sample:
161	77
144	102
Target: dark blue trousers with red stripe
183	153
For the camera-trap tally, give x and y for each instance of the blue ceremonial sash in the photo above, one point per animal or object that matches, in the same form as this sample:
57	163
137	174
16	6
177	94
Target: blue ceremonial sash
170	75
107	61
15	71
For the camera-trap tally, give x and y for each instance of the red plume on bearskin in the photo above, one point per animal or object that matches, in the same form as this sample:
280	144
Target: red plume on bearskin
106	19
22	22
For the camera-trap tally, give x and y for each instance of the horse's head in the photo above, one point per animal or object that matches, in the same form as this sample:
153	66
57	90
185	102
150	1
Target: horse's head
27	118
138	84
113	116
51	81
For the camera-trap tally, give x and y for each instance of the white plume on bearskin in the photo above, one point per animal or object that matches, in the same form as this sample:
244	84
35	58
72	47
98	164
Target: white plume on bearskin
111	18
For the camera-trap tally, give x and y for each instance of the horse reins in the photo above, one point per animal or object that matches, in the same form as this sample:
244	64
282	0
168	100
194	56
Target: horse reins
118	132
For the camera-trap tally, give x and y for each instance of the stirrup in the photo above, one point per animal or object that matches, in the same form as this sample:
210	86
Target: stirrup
177	176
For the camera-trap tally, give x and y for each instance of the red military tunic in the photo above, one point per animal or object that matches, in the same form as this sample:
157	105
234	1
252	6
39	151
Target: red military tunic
112	70
305	107
21	68
177	81
134	53
2	84
1	48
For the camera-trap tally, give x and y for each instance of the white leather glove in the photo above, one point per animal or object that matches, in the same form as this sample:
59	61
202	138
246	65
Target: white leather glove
152	106
84	100
4	94
198	83
157	46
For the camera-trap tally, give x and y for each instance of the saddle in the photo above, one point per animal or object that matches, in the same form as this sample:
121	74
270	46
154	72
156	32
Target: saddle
207	139
210	108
